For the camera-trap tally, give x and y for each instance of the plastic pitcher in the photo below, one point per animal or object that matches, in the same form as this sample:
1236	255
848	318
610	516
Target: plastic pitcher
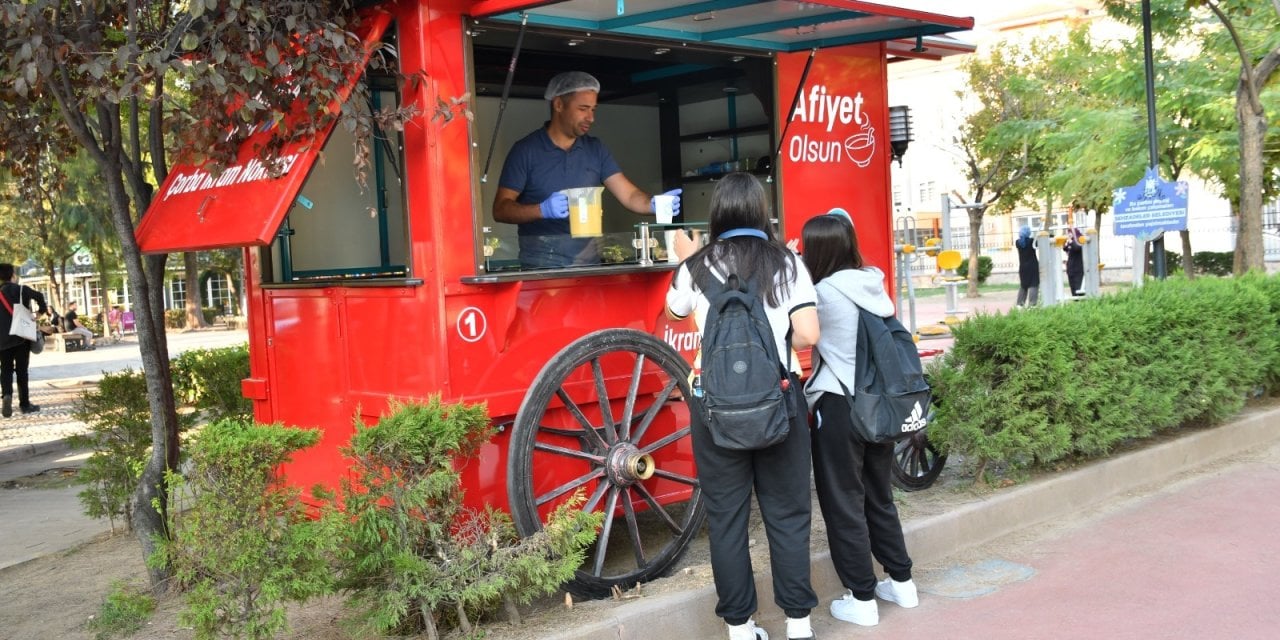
586	211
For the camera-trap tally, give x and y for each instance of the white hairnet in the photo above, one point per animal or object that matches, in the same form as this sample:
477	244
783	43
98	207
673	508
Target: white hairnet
569	82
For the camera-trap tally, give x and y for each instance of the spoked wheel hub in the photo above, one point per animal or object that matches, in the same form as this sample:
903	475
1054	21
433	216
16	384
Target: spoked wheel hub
627	465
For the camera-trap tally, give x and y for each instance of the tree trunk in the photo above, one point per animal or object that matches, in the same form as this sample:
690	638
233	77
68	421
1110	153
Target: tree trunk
975	247
1253	129
1188	265
149	502
195	301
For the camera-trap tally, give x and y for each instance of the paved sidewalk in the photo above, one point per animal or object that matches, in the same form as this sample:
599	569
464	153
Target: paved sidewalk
57	380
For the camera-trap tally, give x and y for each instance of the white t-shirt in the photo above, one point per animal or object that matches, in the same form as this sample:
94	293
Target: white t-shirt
684	298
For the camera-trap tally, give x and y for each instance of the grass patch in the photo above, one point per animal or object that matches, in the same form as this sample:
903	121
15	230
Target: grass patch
124	611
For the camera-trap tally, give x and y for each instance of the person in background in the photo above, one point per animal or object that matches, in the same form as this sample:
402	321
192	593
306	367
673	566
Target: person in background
1028	269
15	352
852	477
71	322
1075	261
115	326
778	474
561	155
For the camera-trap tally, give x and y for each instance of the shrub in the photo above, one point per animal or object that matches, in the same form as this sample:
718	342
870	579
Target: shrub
123	612
209	380
119	433
984	268
245	546
1212	263
412	557
1032	387
177	318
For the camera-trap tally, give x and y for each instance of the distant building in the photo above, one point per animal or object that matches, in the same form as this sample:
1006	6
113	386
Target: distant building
84	286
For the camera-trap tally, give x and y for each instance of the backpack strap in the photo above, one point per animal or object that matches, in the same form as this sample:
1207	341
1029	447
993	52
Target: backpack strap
8	307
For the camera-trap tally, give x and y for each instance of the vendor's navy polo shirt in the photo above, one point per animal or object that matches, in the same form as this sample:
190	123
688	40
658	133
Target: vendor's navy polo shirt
536	168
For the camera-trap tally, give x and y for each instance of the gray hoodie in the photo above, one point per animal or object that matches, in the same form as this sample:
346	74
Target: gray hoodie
839	297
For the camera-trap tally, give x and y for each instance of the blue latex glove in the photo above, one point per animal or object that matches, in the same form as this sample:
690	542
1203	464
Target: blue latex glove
556	207
675	205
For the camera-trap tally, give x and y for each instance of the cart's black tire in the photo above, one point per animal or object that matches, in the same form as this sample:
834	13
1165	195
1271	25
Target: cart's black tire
916	461
680	522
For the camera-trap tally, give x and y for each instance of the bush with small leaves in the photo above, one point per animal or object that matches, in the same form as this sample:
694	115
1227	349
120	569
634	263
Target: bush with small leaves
118	418
244	545
412	556
209	380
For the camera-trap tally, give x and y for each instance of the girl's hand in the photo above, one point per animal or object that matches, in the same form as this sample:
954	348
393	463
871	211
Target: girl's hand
686	246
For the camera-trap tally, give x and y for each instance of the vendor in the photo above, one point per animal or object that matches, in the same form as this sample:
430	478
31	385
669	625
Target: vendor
559	156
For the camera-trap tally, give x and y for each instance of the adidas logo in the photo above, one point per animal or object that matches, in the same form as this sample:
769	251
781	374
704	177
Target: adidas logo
915	421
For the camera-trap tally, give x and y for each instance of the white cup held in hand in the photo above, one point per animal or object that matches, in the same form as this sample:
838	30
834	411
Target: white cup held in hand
663	208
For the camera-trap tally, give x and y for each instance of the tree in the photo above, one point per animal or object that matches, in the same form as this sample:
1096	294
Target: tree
999	140
88	74
1249	36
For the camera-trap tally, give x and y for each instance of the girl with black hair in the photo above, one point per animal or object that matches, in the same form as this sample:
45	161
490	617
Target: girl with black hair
851	476
743	243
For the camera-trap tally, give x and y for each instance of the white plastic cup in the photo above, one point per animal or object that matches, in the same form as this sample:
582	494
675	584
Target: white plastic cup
670	237
663	208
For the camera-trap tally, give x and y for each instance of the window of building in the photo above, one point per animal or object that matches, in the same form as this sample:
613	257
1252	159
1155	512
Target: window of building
928	192
218	294
95	296
177	291
897	195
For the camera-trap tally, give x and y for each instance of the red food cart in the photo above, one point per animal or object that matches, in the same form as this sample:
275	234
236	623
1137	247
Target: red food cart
408	288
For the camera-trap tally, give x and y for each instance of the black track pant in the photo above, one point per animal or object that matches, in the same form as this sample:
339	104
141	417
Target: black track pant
780	477
14	360
856	498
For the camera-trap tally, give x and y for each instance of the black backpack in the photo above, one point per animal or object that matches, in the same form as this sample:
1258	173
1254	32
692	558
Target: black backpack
891	397
746	398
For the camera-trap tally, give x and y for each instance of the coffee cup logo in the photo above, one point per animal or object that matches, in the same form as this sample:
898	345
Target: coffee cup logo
834	115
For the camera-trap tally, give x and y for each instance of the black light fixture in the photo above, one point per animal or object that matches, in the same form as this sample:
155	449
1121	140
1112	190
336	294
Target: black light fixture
899	131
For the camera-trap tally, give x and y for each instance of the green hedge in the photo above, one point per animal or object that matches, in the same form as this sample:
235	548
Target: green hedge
1034	386
209	380
984	268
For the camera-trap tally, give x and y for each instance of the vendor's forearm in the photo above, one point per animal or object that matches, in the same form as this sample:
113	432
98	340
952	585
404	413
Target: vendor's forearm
512	212
639	202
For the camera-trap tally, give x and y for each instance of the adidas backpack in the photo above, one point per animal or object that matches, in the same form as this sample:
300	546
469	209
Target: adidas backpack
746	400
891	397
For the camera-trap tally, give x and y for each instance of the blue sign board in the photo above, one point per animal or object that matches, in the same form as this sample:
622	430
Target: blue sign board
1150	207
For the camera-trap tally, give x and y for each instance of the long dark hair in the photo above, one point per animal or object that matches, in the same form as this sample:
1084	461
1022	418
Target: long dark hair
739	202
830	245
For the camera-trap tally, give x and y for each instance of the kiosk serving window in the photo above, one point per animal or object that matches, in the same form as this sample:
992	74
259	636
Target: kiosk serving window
669	117
336	228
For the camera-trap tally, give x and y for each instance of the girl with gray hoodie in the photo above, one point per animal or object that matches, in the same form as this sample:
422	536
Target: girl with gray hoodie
851	475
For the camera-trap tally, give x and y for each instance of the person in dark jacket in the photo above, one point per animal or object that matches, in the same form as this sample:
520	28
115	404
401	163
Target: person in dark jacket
1075	261
15	352
1028	269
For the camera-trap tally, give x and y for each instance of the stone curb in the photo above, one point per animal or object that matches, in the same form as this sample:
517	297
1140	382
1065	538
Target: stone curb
24	451
690	614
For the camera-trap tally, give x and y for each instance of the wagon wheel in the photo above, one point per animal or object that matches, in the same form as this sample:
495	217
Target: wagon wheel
916	461
630	455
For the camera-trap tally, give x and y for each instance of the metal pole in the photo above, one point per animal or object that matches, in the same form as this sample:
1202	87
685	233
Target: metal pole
946	222
1157	246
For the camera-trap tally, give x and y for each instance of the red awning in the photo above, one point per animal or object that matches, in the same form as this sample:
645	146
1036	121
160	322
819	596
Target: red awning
193	211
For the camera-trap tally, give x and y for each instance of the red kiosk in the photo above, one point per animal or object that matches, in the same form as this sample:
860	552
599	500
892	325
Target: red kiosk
408	288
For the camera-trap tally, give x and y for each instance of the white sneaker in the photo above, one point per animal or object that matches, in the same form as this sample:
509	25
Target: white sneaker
799	629
859	612
747	631
902	593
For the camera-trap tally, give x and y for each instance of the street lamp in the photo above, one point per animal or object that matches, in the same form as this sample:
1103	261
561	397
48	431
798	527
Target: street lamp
899	131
